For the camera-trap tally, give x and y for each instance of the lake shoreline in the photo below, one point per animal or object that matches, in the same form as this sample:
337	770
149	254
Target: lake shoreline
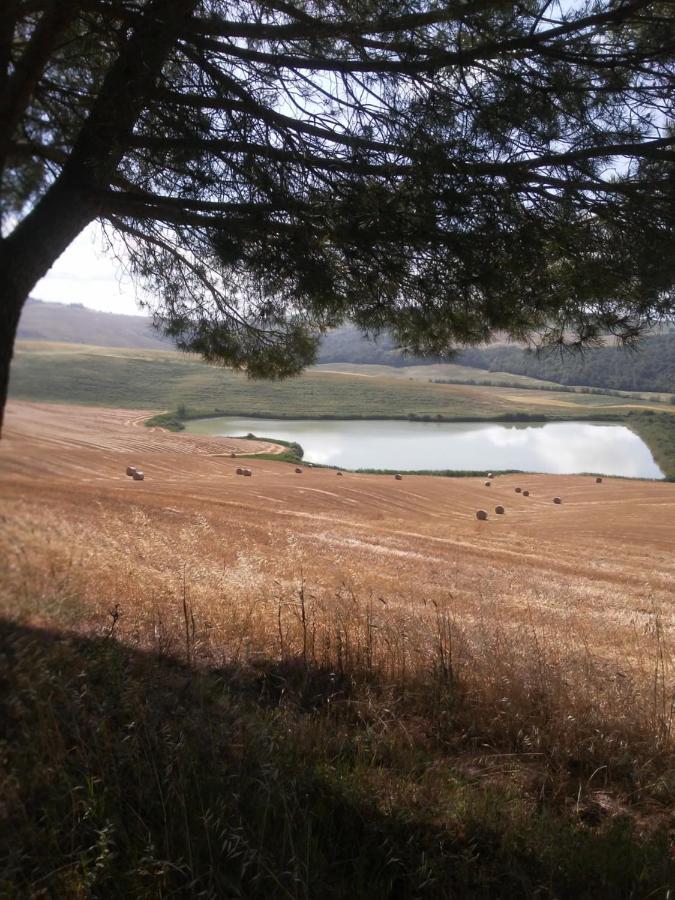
508	418
465	446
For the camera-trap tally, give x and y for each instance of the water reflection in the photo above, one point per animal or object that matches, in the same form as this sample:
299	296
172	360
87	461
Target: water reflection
557	448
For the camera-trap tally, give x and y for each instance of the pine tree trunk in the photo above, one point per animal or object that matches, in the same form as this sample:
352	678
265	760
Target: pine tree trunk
10	310
28	253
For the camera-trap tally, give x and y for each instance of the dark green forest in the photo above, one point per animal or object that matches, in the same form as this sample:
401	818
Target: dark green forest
651	367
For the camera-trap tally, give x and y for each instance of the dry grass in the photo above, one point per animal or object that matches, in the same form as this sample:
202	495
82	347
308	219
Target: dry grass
533	653
539	672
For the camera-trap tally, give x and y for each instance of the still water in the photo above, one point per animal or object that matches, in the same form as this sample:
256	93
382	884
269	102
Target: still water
557	447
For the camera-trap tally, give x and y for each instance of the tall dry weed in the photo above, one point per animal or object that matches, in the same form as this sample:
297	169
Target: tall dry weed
481	666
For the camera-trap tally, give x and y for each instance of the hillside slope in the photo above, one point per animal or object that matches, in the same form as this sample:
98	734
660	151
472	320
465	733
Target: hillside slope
650	368
301	686
76	324
151	379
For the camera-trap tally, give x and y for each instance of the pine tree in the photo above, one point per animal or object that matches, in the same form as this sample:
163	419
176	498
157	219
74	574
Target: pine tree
441	169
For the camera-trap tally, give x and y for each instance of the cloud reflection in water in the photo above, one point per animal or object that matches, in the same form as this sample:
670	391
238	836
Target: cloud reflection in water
557	447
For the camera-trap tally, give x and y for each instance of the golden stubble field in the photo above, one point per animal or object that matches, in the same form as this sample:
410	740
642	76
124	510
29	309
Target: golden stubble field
548	613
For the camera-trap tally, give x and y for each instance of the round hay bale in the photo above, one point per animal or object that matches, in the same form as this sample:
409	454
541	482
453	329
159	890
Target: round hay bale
518	490
339	473
557	500
138	475
481	515
598	480
488	483
526	493
248	472
500	510
131	470
490	475
298	470
398	477
239	470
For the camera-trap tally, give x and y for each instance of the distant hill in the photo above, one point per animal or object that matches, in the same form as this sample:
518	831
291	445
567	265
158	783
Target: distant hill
77	324
650	368
348	345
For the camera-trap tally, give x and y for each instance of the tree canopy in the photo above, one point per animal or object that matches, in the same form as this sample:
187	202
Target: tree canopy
441	169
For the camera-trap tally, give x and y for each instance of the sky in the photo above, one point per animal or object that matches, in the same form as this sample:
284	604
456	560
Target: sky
84	274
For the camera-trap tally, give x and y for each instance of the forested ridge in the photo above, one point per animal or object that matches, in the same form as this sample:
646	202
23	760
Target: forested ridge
648	367
651	367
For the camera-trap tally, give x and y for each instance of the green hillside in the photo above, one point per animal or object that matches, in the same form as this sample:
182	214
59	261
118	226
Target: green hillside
650	368
166	379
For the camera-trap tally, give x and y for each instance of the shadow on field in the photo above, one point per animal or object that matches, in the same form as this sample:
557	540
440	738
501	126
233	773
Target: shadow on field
126	775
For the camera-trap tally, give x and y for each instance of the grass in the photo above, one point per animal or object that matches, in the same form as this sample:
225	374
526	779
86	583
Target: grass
171	421
440	473
658	432
454	373
127	774
292	454
186	713
175	729
169	380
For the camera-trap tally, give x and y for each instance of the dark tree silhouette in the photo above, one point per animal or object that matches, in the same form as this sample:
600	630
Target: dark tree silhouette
442	169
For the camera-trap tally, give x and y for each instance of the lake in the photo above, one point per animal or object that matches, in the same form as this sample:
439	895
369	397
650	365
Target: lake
555	447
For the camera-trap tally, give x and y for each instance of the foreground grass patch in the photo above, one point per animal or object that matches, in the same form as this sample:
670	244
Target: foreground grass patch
127	774
171	421
191	705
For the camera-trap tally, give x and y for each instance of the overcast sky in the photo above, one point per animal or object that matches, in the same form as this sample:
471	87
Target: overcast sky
83	274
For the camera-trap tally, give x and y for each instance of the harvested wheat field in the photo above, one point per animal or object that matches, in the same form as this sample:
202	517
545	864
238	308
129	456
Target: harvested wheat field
531	653
589	582
597	572
607	554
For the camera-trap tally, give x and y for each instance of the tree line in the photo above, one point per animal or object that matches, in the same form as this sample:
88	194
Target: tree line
650	367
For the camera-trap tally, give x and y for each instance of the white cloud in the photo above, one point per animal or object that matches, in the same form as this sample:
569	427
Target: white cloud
85	274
